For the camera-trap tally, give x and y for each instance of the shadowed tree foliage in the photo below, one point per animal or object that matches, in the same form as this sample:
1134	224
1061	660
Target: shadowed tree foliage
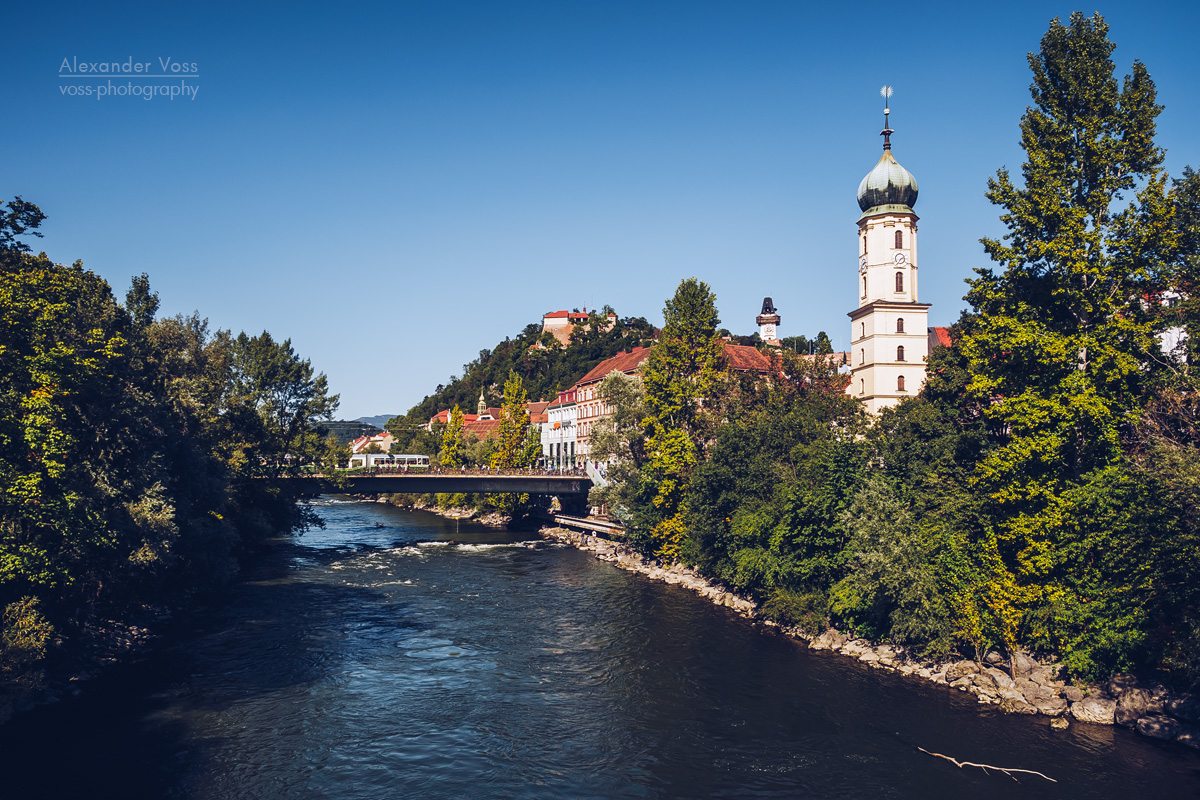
128	450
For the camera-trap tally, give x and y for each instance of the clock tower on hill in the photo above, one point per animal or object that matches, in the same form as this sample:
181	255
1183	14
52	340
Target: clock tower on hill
888	334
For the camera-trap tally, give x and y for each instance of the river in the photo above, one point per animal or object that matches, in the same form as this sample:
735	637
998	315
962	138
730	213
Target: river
396	654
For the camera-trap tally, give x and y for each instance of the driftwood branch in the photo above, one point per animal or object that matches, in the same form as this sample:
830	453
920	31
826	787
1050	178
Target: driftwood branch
985	767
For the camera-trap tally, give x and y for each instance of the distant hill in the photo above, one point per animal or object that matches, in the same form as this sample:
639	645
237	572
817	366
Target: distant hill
379	420
346	430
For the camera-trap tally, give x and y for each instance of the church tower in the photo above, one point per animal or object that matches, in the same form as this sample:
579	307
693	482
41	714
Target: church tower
889	339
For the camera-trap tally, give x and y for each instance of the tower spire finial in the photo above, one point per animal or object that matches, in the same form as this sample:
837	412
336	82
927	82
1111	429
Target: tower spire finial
886	92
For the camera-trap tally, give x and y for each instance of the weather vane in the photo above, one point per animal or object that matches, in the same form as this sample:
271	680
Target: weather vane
886	92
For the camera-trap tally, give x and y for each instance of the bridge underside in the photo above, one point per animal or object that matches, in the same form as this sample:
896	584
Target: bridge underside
559	485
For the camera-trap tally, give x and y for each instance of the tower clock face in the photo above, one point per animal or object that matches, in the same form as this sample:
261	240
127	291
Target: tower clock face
862	264
900	259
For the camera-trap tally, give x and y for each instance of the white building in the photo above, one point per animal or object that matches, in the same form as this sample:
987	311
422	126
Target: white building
559	432
888	330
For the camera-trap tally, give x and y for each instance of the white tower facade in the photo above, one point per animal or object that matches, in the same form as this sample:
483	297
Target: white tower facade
768	323
889	329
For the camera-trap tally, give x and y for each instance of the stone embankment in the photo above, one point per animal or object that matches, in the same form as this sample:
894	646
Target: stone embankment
1027	686
492	519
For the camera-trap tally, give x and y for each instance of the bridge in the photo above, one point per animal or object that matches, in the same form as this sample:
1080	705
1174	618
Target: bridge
576	486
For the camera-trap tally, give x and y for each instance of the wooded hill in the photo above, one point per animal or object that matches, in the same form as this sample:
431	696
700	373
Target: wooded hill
545	370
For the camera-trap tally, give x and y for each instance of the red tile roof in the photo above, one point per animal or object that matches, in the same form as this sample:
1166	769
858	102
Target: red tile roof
565	315
621	362
943	336
483	428
745	358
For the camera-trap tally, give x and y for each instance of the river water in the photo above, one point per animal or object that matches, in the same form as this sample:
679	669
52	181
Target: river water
399	655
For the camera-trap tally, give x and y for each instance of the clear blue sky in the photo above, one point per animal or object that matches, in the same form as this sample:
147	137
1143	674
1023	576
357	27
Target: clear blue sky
396	186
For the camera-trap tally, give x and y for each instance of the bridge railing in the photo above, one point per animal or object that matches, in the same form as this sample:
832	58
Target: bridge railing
578	472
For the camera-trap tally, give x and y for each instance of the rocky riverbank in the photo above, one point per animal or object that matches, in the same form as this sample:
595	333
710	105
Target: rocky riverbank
1027	686
417	503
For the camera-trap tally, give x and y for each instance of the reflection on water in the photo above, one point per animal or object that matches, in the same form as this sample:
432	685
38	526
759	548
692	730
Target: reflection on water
396	654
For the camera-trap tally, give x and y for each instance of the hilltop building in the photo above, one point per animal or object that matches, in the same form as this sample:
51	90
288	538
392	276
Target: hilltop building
768	323
888	331
561	323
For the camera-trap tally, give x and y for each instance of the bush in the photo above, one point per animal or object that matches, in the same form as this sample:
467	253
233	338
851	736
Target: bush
808	611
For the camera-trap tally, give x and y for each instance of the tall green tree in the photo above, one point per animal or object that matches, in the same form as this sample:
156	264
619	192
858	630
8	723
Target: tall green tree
514	448
680	376
1058	354
290	399
451	454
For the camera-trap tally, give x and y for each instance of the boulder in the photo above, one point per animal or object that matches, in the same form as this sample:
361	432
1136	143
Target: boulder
1053	707
960	669
1073	693
823	641
868	657
962	684
1185	707
1158	727
1133	704
1022	664
1119	684
1189	736
994	658
1060	724
1014	706
1098	710
999	677
984	681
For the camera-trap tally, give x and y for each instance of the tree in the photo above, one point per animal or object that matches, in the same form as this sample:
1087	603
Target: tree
451	454
290	400
1059	352
620	441
680	375
22	218
513	449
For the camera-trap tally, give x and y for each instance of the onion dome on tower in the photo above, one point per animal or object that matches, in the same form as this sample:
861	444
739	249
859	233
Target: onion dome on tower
889	188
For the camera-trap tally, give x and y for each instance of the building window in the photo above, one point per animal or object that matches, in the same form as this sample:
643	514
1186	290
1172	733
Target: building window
899	281
899	239
863	330
900	384
862	356
864	243
864	285
900	353
900	325
862	386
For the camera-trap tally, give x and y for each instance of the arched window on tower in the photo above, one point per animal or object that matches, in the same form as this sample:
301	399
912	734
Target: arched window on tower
900	353
899	281
900	384
862	386
900	325
899	239
862	330
862	356
864	285
864	238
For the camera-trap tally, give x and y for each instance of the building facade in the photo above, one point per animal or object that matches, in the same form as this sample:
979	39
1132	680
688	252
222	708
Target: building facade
888	331
558	434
